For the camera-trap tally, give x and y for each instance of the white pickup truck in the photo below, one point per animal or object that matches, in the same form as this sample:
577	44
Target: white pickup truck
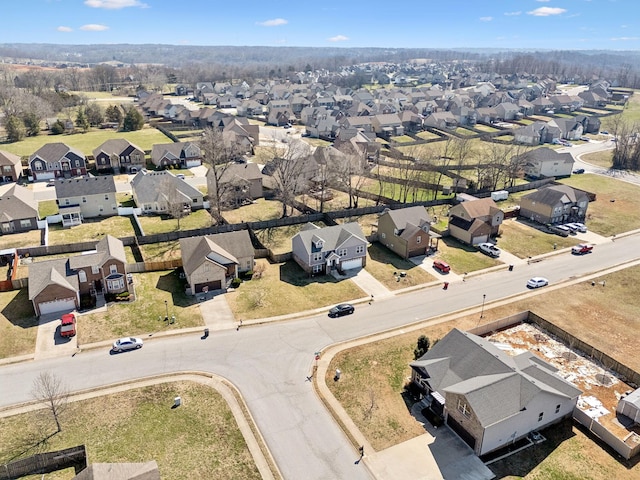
489	249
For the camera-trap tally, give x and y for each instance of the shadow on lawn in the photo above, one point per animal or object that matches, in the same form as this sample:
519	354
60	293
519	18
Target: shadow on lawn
382	255
292	273
19	310
176	286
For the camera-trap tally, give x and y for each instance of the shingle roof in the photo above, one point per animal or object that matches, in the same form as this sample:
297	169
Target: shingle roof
221	248
107	248
17	202
74	187
416	215
8	158
332	237
43	274
53	152
480	207
114	146
495	384
147	186
555	193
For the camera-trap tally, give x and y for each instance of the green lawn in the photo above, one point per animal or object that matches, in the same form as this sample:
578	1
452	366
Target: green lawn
385	266
91	229
427	135
153	224
18	324
284	289
402	139
201	437
145	315
47	207
463	258
86	142
525	241
157	252
616	207
486	128
260	210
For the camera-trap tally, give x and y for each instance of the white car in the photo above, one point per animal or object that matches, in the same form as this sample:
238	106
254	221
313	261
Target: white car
581	227
127	343
489	249
536	282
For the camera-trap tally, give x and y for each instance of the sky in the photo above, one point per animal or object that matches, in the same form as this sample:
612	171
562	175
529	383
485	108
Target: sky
527	24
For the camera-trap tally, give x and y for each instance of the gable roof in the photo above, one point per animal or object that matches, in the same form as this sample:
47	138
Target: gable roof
75	187
51	272
16	203
54	152
115	146
466	364
332	237
245	171
8	158
480	207
553	194
146	185
107	248
220	248
402	217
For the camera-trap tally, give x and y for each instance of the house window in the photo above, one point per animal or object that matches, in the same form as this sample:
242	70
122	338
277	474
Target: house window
106	197
540	416
82	276
95	269
557	408
113	269
38	165
317	268
418	239
359	249
78	163
66	201
464	408
25	223
383	235
342	252
84	199
115	284
195	200
316	257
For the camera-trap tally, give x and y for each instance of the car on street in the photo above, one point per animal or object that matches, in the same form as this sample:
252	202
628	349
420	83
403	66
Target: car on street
581	249
604	132
578	171
489	249
341	309
127	343
537	282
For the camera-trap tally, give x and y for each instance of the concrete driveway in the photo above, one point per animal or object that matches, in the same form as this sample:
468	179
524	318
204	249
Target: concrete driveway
215	311
49	343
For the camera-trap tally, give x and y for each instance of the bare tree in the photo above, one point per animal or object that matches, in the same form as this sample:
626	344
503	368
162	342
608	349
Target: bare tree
176	203
218	154
49	389
350	173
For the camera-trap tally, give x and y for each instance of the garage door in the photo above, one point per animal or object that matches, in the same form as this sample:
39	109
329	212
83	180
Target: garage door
56	306
209	286
480	239
45	175
350	264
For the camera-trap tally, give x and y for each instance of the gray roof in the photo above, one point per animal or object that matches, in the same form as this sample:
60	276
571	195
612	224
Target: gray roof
16	203
107	248
8	158
220	248
245	171
85	186
545	154
176	149
495	384
147	186
556	193
115	146
332	237
43	274
54	152
404	217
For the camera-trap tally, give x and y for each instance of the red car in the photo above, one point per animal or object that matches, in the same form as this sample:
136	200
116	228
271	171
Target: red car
68	325
441	266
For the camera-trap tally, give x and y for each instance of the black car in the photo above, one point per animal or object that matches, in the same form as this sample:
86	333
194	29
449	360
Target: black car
342	309
578	170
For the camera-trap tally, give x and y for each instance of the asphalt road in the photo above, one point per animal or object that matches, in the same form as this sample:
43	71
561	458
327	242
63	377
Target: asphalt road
270	363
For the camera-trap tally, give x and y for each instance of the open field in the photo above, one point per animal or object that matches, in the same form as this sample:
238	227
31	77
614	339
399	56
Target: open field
616	207
383	367
146	314
91	229
385	265
86	142
601	159
285	288
201	437
18	324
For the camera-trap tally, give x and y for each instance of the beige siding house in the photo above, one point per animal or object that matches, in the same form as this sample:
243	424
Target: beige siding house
86	197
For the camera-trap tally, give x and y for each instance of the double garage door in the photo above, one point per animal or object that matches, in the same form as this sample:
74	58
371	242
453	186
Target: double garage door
65	304
351	264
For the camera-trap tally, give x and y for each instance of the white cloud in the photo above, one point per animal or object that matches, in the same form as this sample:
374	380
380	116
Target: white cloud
94	27
512	14
543	1
64	29
275	22
624	39
338	38
486	19
114	4
546	11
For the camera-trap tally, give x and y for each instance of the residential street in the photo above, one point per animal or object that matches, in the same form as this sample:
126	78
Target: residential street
270	363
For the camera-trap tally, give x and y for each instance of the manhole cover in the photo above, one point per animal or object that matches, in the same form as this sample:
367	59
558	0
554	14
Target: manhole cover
570	356
603	379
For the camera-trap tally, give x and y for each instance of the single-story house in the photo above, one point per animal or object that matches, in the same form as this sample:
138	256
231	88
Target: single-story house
53	286
153	191
323	250
18	209
211	262
405	231
489	398
555	204
475	221
10	167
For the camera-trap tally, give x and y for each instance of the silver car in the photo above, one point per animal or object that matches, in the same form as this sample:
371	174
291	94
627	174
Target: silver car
536	282
127	343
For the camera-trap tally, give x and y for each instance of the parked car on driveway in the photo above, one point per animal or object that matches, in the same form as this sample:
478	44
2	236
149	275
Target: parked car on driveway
127	343
441	266
489	249
537	282
578	227
68	325
342	309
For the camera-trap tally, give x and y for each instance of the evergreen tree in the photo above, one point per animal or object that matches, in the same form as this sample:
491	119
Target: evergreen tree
15	128
31	123
94	114
81	120
423	347
133	120
114	114
57	128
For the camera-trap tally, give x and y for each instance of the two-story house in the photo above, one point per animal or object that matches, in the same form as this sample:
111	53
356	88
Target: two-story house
181	154
405	231
154	191
85	197
475	221
119	155
555	204
235	184
10	167
324	250
545	162
18	209
57	160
